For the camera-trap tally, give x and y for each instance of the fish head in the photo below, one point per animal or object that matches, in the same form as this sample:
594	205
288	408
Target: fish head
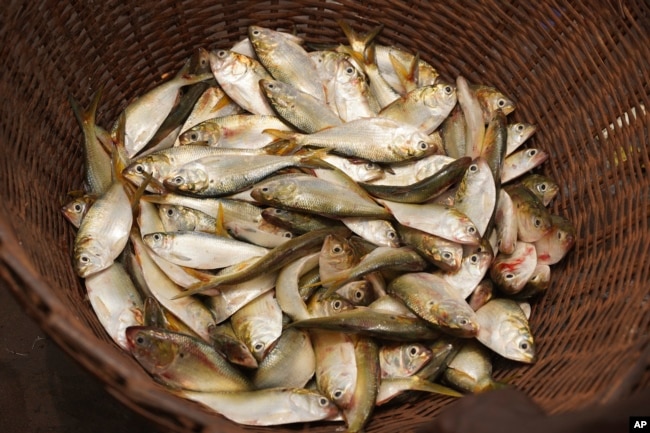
337	254
175	217
150	348
275	190
412	357
323	307
478	260
280	94
463	229
491	100
228	64
521	131
90	256
192	180
153	165
358	292
448	256
519	345
200	134
75	210
367	171
157	241
346	73
417	146
311	402
565	232
440	96
456	317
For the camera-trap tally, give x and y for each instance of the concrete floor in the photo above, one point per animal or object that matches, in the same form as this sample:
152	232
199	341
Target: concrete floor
43	390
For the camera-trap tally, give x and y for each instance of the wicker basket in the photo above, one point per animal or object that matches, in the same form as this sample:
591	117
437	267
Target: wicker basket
578	70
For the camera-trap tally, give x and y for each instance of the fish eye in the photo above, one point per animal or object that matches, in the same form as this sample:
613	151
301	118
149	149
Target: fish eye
178	180
270	86
413	350
463	322
337	249
170	212
265	189
221	54
473	168
258	347
422	145
520	127
337	305
358	295
559	234
349	70
523	345
323	401
474	258
371	166
542	187
255	33
84	259
157	237
501	103
537	222
448	90
391	234
139	339
139	169
77	207
447	255
531	152
337	394
287	235
509	276
278	211
471	230
194	136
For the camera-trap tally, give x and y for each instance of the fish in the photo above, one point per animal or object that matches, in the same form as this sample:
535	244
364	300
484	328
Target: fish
504	328
470	370
402	360
259	324
200	250
424	107
264	407
97	161
443	221
557	242
232	348
182	362
510	272
236	131
290	363
220	175
392	141
116	301
431	298
286	60
103	232
239	76
304	193
518	133
445	254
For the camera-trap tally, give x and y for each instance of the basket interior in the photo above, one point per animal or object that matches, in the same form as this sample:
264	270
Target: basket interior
577	71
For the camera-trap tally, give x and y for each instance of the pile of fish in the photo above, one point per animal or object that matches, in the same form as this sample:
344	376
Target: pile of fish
287	234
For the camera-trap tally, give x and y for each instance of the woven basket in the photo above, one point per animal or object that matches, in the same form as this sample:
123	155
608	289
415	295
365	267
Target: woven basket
578	70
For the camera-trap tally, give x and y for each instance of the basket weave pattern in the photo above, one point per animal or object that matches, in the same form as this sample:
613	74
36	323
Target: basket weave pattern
575	69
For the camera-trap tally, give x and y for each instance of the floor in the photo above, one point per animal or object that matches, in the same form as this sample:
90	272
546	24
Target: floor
42	388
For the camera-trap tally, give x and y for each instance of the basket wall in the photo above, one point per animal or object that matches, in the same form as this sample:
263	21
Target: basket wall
578	70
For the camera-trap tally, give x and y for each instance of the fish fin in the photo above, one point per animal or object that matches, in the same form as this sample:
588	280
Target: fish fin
357	41
222	103
181	257
119	155
281	146
408	77
314	159
220	222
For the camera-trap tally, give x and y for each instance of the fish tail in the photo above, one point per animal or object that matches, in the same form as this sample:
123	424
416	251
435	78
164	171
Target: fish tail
358	40
314	159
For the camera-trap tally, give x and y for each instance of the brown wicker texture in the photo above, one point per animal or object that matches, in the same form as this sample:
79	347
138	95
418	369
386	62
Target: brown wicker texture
574	68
